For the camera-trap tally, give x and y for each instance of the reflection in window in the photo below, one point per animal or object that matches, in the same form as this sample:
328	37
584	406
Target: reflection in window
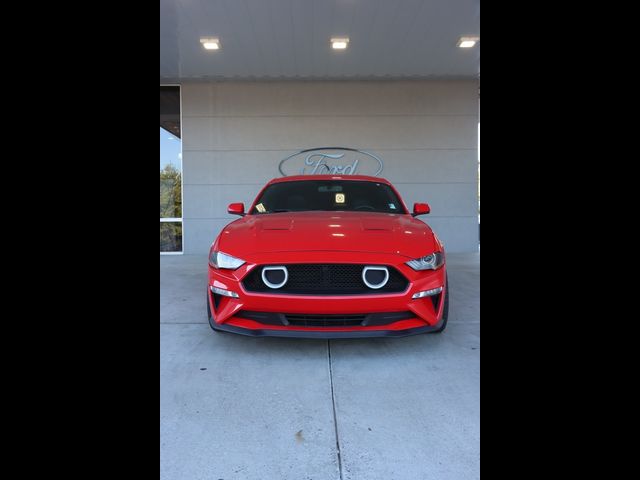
170	236
170	171
170	176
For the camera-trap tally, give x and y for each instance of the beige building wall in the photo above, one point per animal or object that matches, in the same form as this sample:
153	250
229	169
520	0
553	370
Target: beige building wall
426	133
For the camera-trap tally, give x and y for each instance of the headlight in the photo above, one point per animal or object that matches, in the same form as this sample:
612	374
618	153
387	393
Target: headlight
428	262
222	260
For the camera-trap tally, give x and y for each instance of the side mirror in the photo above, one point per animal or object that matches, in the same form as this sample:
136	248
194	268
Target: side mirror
236	209
420	209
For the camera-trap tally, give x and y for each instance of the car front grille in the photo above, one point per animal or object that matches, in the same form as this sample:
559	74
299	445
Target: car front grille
325	320
328	320
325	279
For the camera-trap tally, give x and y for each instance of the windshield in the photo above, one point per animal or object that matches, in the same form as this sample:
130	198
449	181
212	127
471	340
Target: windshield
330	195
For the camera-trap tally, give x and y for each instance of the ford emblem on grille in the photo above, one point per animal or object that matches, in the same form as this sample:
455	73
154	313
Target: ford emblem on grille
275	277
375	277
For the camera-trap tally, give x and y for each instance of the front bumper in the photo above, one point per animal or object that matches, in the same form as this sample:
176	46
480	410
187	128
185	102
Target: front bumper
325	333
424	315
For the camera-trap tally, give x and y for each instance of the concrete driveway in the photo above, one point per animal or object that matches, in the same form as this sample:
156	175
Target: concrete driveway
235	407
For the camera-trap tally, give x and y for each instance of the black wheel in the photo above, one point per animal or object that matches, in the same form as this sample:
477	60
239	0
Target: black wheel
210	317
445	309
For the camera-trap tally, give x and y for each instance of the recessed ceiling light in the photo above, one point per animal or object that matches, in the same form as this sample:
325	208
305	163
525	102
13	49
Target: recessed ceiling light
468	42
339	43
210	43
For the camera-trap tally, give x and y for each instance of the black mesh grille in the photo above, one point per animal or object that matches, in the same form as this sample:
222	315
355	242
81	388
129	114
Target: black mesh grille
325	320
328	320
325	279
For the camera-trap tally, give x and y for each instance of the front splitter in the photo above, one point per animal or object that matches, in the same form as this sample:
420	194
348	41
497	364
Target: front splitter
319	334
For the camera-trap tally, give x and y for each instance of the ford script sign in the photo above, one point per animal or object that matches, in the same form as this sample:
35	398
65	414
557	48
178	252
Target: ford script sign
332	161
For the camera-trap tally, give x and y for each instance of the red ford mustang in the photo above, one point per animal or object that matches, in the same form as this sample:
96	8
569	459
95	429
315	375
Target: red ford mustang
323	256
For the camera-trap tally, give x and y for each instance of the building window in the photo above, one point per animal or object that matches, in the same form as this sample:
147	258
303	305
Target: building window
170	171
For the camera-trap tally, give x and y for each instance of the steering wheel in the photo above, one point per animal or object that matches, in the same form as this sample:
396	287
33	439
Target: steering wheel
365	207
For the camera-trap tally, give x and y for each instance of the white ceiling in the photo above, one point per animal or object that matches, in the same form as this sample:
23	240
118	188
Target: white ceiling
280	39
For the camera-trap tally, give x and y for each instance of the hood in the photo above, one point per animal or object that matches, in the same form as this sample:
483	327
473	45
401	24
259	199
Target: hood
328	231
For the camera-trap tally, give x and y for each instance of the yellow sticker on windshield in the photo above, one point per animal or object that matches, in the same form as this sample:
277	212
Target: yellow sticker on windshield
339	197
260	208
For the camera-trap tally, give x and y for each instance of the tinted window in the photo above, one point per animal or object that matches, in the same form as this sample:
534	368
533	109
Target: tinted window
332	195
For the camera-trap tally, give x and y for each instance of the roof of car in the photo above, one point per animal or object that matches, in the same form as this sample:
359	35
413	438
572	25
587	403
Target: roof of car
363	178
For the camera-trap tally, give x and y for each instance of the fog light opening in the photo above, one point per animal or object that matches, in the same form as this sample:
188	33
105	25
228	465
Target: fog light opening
427	293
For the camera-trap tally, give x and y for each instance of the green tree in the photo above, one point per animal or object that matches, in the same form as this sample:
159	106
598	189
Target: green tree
170	192
170	206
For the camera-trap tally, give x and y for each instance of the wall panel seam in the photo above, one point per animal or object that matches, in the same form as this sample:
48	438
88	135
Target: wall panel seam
230	219
263	184
332	115
201	150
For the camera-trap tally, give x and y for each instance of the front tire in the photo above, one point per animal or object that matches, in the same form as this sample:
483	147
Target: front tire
445	309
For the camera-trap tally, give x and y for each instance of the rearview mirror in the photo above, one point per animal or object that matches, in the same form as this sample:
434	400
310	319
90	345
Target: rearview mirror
420	209
236	209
